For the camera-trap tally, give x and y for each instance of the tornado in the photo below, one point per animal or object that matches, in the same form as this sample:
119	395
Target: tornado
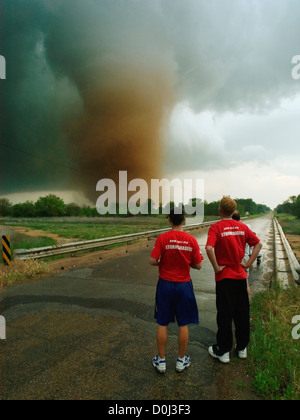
118	60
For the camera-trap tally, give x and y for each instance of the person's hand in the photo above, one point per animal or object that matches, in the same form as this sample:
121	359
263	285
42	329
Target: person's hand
245	266
220	268
154	262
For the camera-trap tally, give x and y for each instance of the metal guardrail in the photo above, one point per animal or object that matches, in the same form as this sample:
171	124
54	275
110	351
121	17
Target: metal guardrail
52	251
293	262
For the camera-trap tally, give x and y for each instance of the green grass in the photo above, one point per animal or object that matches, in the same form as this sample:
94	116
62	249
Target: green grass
93	228
289	223
81	229
20	241
28	242
89	229
274	353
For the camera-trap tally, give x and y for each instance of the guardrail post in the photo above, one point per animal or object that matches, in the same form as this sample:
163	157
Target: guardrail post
6	249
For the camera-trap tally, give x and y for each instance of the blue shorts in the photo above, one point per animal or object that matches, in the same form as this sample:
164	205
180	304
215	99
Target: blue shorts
176	301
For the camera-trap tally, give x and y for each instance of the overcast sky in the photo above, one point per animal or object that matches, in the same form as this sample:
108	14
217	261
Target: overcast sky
177	88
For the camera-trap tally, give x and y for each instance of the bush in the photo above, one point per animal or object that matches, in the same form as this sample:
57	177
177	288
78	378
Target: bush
50	206
5	207
24	209
290	206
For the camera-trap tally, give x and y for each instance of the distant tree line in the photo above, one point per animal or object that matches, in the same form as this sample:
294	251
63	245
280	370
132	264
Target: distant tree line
54	206
245	207
290	206
49	206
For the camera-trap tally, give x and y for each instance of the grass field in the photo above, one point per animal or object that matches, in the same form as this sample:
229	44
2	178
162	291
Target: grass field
78	229
25	242
274	353
89	229
291	227
289	223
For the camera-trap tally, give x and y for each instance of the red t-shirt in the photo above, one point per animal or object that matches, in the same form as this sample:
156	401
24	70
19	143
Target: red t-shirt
176	251
229	239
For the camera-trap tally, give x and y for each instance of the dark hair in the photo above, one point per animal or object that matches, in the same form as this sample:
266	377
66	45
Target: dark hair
236	216
177	216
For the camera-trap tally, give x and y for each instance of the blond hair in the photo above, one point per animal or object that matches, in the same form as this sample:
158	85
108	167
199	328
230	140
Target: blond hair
227	206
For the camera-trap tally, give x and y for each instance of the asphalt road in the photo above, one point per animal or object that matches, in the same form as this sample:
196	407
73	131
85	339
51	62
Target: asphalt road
90	334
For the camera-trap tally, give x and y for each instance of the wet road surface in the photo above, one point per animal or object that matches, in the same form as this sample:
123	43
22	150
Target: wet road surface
90	333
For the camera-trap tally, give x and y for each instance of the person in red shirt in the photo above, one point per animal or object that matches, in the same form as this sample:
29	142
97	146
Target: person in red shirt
225	249
175	253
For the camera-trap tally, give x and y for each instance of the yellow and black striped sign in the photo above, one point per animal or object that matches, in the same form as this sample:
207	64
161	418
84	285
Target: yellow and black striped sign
6	249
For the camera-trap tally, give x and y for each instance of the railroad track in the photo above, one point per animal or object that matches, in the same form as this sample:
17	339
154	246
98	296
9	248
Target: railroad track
286	262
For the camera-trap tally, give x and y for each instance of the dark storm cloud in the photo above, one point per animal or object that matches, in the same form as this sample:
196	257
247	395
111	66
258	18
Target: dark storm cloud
234	55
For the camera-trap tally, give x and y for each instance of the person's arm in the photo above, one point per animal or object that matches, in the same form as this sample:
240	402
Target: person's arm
197	257
154	262
156	253
196	266
255	253
212	258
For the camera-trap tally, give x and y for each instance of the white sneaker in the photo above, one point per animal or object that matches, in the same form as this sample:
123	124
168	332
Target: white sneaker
159	364
225	358
183	364
243	354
